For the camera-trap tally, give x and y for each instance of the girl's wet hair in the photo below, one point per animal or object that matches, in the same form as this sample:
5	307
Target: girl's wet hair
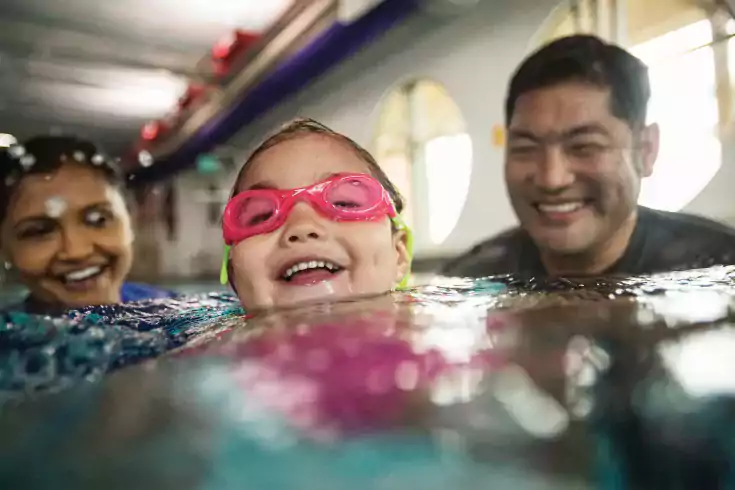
46	155
305	126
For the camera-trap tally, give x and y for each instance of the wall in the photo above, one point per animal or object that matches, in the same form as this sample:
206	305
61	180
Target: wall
473	56
717	200
198	247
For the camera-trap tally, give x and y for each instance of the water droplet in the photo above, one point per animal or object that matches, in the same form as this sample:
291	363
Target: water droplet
145	159
27	161
17	151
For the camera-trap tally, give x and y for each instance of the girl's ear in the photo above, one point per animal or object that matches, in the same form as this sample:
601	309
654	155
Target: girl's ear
650	142
401	243
229	276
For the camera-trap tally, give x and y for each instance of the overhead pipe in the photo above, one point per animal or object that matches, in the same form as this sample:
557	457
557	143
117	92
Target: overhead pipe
222	118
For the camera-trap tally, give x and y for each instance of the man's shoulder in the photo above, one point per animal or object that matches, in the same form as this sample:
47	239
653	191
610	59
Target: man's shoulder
687	241
498	254
685	223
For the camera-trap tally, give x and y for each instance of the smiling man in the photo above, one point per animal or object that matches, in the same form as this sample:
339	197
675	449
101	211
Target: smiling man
578	148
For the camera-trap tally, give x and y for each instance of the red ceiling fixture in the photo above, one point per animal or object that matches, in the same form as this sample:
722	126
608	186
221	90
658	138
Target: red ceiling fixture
224	53
231	46
151	130
193	92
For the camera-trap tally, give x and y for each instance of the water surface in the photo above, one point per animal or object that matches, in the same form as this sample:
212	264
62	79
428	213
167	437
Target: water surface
507	382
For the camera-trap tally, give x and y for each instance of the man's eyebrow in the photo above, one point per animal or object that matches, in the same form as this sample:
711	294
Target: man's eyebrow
586	129
522	134
581	130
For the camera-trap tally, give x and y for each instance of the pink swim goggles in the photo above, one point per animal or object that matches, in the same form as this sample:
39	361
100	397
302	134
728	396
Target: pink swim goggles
344	197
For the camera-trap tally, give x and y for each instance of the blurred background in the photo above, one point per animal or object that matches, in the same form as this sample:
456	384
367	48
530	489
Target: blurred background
181	90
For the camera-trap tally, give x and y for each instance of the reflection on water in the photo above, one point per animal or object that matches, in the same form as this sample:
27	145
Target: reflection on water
504	383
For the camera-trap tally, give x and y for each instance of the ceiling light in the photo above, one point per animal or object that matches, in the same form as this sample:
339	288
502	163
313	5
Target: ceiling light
6	140
145	158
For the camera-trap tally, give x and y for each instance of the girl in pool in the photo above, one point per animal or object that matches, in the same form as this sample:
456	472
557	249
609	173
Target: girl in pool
312	216
65	232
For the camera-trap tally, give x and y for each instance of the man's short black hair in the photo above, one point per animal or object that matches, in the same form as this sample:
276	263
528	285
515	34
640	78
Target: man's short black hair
587	59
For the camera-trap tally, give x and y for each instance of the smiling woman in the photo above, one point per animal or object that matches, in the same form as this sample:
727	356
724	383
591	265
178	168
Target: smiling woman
64	229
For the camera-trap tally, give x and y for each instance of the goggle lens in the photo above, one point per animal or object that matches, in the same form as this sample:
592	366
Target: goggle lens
353	195
255	211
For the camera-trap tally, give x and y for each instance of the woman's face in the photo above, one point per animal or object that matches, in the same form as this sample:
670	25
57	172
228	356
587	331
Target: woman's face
371	258
68	237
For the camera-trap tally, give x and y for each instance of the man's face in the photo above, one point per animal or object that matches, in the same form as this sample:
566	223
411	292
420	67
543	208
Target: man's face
573	170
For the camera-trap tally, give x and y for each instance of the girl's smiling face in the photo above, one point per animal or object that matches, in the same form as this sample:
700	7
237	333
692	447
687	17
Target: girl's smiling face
370	256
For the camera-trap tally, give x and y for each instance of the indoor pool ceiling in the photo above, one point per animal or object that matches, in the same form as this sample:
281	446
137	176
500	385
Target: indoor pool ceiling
103	69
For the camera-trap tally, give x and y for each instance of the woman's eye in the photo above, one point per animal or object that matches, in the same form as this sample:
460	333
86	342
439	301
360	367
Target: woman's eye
97	218
35	231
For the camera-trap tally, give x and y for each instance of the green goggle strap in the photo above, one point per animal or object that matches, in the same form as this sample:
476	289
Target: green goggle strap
223	270
400	224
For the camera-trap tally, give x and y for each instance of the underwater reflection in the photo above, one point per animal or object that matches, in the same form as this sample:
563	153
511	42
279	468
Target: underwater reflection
506	382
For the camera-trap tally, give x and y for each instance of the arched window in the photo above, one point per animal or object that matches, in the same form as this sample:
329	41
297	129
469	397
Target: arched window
422	143
684	104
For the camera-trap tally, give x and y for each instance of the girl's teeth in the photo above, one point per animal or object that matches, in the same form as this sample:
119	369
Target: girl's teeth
313	264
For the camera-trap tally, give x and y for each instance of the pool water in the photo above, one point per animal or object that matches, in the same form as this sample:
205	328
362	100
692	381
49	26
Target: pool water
11	293
505	382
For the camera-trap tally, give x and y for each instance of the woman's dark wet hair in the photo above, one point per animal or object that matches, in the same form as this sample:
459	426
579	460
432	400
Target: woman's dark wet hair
305	126
587	59
46	155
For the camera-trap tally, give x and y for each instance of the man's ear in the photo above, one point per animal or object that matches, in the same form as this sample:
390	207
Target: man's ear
649	147
403	256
